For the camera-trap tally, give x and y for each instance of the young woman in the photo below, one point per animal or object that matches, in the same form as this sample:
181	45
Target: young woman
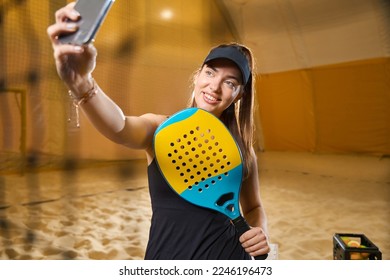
224	86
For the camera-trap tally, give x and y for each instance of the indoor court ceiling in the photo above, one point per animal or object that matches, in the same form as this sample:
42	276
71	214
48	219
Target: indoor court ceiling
298	34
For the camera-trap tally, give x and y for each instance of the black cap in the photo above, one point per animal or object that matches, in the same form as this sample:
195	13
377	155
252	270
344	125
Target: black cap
233	54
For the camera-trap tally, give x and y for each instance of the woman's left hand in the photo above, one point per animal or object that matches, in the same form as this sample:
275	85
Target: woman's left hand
255	242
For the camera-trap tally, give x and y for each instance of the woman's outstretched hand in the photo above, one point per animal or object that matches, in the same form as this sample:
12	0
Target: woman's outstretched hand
74	63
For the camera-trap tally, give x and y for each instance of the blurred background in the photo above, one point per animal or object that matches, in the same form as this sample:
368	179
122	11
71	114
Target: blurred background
323	79
323	70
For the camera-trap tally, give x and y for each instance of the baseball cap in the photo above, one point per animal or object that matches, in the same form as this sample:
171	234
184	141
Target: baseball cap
233	54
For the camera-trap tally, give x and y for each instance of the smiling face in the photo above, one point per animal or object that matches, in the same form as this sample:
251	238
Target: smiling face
217	86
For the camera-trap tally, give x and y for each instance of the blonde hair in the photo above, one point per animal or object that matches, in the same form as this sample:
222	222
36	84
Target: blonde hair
239	116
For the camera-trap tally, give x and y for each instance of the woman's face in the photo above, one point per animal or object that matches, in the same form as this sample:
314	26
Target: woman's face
217	86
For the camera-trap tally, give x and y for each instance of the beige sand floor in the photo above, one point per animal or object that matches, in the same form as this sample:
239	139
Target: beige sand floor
103	212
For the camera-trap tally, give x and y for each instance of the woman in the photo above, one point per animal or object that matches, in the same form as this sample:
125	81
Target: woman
223	85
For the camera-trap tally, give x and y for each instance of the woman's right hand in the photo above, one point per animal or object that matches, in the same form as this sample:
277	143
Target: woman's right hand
74	64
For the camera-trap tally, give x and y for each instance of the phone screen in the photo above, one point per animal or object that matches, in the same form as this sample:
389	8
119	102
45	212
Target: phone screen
93	13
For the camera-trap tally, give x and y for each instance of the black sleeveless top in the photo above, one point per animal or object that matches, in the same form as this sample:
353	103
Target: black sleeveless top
183	231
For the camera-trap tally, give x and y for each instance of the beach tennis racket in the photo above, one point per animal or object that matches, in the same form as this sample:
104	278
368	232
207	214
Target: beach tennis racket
201	162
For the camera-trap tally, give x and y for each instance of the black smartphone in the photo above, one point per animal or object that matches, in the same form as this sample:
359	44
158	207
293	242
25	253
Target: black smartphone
93	13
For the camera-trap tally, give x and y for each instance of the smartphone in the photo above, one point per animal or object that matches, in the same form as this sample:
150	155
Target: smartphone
93	13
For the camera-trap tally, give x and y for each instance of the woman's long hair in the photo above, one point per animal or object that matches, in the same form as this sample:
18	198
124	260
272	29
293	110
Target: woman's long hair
239	116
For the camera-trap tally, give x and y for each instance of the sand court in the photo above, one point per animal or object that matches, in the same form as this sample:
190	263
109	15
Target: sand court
102	210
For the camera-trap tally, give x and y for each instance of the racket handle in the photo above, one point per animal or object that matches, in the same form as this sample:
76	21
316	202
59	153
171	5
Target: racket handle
242	226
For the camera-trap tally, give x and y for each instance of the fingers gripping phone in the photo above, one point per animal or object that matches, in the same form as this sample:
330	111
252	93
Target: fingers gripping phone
93	13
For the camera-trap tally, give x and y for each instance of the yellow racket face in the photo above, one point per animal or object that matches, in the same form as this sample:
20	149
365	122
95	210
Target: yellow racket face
200	160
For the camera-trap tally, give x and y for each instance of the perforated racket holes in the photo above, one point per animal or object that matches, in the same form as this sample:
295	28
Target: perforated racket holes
197	156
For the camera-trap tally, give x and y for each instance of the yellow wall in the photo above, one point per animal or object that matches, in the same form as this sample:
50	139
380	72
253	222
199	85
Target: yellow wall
334	108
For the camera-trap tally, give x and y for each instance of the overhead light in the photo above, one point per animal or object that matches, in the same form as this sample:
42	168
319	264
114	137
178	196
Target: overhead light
166	14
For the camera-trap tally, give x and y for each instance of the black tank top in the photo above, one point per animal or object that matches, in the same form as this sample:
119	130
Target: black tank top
183	231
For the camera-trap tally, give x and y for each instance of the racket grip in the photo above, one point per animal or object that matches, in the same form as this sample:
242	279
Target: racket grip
242	226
